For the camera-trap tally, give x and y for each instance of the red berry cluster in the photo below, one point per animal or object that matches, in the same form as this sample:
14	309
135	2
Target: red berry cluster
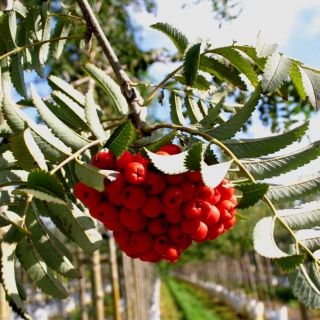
153	215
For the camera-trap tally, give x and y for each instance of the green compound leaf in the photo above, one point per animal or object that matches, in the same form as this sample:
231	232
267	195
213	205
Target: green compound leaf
47	247
288	264
304	216
76	225
61	29
26	151
263	239
121	138
110	87
34	24
171	164
64	87
310	238
239	62
234	124
296	78
268	167
17	74
311	83
13	177
305	287
179	39
8	279
195	156
38	271
295	189
63	132
212	175
8	26
92	176
263	49
191	62
247	148
93	119
193	110
276	72
44	186
176	113
251	193
156	141
221	71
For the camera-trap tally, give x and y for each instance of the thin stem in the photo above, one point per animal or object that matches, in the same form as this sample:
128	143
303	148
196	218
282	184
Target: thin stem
40	43
131	94
76	154
67	16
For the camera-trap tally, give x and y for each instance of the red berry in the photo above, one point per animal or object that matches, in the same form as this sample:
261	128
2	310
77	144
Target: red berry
234	200
185	244
130	217
172	197
172	254
194	176
205	193
115	198
176	234
201	233
229	223
135	173
103	160
139	158
139	225
161	244
157	226
214	231
162	153
141	241
174	178
89	196
154	183
129	251
114	186
133	197
105	212
152	207
216	196
189	225
188	189
170	211
213	217
227	210
122	236
225	189
150	256
193	208
171	149
174	218
123	161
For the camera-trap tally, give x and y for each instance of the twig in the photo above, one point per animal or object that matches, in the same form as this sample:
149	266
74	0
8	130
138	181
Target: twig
131	94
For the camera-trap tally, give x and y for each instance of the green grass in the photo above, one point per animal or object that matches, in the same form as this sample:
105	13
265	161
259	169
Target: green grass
192	308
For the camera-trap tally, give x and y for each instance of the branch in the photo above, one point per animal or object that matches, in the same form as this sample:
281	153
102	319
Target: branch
131	94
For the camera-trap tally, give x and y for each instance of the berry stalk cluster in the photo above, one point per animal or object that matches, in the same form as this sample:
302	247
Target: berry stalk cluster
155	216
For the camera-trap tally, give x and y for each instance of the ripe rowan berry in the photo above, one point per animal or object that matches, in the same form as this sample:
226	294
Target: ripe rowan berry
139	225
185	244
225	189
150	256
103	160
152	207
172	254
105	212
189	225
188	189
133	197
214	231
205	193
171	149
129	250
114	186
194	176
141	241
213	217
193	208
175	217
122	236
157	226
154	183
141	159
88	196
115	198
135	173
172	197
229	223
227	210
175	233
161	243
174	179
216	196
200	233
130	217
122	162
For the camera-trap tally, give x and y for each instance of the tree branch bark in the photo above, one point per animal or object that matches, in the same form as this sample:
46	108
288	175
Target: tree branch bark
137	114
